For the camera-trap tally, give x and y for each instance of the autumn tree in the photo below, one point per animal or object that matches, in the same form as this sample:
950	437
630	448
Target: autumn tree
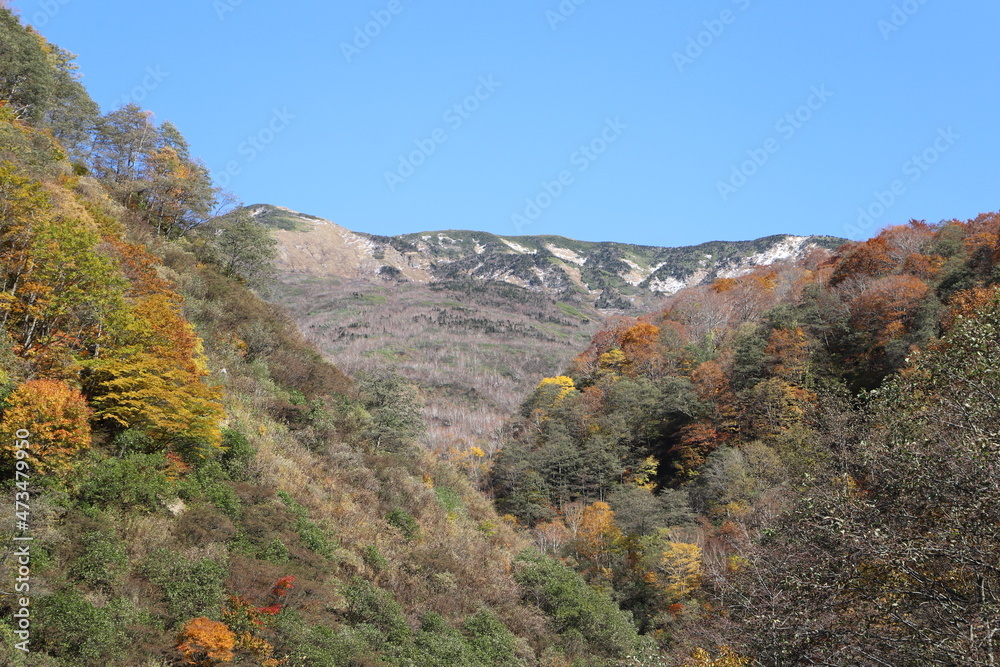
726	657
56	417
153	377
748	296
149	170
866	259
599	538
788	353
678	572
59	286
774	406
205	643
906	517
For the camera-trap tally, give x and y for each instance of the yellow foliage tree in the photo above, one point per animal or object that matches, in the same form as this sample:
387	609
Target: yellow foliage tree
598	536
679	572
154	377
55	415
563	384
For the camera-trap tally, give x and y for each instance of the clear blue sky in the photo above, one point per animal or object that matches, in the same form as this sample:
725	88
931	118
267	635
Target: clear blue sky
922	81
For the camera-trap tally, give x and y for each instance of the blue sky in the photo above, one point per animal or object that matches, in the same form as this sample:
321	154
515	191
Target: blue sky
652	122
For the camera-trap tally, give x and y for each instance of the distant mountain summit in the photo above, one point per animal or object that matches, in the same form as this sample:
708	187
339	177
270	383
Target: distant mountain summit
605	274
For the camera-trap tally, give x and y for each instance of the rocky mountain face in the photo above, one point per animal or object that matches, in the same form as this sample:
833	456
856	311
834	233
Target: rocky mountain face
475	319
606	275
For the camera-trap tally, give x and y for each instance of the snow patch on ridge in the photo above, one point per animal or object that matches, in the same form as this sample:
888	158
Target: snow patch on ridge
789	247
516	247
565	254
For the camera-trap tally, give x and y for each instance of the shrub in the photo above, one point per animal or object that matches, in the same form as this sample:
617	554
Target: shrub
134	440
403	520
137	482
78	633
103	562
190	588
275	552
373	558
311	535
211	482
238	455
372	606
490	642
310	647
437	645
449	499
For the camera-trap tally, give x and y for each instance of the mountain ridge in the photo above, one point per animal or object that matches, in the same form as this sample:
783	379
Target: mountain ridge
609	275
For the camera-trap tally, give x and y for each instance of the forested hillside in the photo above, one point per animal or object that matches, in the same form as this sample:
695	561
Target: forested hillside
790	464
797	466
196	485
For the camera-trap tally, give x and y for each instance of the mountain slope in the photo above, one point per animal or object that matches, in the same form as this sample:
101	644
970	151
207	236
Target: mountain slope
476	319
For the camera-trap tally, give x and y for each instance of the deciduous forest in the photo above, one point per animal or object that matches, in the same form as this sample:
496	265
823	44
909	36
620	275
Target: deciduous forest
797	465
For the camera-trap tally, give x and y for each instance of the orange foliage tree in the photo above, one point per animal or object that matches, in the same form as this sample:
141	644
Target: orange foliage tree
56	415
885	309
695	442
788	350
866	259
634	345
748	296
206	643
640	345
